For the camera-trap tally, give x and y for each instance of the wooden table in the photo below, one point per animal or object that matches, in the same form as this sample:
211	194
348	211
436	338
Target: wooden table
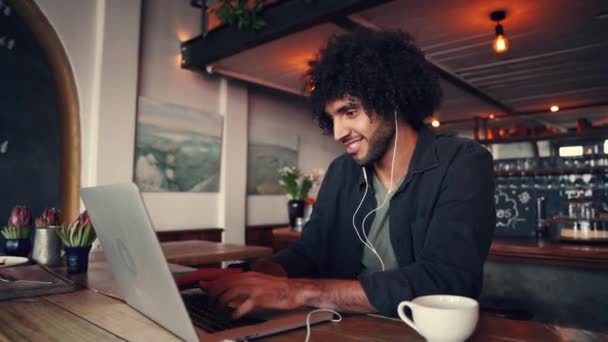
186	253
197	252
87	315
79	316
367	328
281	237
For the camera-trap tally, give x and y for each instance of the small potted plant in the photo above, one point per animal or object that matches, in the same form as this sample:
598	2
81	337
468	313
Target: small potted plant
77	239
17	232
297	186
47	244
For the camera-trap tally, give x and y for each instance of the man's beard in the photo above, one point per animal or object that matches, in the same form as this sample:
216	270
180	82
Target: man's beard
378	144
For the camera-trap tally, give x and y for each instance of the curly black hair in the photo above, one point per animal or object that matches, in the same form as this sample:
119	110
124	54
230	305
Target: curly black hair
384	69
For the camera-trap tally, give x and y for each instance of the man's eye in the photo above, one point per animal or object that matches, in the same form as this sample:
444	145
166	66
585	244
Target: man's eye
351	113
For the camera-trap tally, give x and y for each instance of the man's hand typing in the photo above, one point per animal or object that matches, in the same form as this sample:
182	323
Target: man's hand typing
253	290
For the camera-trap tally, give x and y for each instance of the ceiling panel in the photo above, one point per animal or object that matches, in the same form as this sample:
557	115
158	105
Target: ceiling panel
457	104
557	55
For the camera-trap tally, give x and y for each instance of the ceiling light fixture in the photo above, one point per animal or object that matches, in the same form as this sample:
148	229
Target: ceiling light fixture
435	123
500	43
492	116
554	108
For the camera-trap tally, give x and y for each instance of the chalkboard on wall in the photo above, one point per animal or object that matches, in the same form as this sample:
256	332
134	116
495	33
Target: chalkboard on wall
515	210
29	126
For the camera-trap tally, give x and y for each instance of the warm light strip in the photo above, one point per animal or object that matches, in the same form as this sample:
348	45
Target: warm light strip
571	151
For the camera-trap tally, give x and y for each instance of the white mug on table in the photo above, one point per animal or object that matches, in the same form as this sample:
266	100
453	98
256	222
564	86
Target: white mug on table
442	317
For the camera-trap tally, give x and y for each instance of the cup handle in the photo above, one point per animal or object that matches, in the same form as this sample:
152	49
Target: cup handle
404	317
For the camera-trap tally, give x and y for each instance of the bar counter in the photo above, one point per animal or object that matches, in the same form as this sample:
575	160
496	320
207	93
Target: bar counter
574	254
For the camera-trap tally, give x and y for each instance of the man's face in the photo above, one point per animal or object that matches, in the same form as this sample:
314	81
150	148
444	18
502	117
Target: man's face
365	137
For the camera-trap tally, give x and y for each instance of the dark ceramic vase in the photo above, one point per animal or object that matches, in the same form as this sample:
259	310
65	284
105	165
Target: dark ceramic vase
295	209
18	247
77	259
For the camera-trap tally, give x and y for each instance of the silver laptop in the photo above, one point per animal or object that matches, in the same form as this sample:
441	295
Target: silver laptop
139	266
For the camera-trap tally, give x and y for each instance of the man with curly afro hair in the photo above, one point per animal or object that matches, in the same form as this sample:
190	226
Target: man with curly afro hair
403	213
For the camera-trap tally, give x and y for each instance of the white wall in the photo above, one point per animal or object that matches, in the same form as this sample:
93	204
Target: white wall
102	39
233	100
82	51
272	111
164	25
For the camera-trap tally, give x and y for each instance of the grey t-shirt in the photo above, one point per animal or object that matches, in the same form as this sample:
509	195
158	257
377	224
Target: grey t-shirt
379	235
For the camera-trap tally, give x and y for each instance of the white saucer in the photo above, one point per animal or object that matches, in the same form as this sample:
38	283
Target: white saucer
12	261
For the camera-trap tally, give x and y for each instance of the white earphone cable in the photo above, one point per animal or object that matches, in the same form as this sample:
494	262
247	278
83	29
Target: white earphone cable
365	242
357	210
368	243
335	320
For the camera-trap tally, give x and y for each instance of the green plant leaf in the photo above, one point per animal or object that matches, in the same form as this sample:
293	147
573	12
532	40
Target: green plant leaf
86	236
16	232
73	235
236	13
258	6
79	235
306	186
223	13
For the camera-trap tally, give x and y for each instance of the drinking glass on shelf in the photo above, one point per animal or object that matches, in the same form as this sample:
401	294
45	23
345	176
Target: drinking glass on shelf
520	165
500	165
508	165
588	161
598	160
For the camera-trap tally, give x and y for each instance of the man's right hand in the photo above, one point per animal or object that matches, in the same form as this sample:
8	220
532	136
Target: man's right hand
205	275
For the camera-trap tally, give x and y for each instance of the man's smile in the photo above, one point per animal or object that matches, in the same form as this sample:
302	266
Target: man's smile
352	145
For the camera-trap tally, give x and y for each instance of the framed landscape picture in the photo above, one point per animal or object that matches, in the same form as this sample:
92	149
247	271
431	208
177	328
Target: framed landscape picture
178	149
266	155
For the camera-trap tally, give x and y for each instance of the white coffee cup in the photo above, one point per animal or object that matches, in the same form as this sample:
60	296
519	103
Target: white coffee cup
444	318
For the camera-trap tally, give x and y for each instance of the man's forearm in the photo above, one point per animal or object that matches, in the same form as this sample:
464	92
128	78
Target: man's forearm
339	295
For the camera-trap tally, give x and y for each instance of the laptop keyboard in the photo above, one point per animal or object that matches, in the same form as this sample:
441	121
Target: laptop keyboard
210	317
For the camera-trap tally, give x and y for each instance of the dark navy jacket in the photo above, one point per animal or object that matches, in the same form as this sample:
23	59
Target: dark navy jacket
442	219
